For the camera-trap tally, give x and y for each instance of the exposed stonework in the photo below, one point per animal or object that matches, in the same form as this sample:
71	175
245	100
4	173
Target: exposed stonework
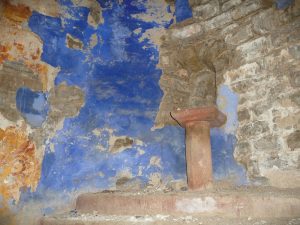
254	49
120	143
14	75
73	42
95	17
65	101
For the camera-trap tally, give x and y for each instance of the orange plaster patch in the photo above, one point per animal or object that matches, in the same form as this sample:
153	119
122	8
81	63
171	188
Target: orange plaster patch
17	13
19	165
4	55
29	52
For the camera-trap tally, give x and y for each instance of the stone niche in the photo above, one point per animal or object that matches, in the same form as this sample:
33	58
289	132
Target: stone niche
189	75
254	49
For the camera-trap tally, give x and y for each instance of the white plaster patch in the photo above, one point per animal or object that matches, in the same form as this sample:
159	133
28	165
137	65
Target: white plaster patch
155	161
187	31
5	122
196	205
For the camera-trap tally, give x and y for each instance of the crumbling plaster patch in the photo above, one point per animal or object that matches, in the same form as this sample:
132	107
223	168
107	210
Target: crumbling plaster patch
21	66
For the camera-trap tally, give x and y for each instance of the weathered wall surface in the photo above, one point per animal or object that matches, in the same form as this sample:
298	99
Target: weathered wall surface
79	93
78	97
244	56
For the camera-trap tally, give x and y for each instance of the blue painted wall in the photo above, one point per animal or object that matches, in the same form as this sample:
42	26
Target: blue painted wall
183	10
120	80
283	4
33	106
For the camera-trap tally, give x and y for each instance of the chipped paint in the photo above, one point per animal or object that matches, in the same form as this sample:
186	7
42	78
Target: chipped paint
73	42
16	13
155	161
20	165
24	46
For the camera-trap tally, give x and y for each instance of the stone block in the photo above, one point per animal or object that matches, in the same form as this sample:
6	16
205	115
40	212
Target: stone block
202	89
253	49
180	99
229	29
230	4
266	21
296	98
217	21
178	85
247	71
194	3
221	63
242	152
246	8
206	11
243	115
294	78
239	35
293	140
242	86
286	122
267	143
253	129
261	107
295	51
189	59
194	29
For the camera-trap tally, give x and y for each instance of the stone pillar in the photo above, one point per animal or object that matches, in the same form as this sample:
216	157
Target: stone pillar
198	155
197	123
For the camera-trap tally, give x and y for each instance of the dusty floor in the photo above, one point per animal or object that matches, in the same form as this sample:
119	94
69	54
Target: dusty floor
88	219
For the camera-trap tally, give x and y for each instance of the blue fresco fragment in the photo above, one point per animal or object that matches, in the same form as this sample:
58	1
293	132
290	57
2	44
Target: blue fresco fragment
33	105
182	10
283	4
223	139
224	164
228	103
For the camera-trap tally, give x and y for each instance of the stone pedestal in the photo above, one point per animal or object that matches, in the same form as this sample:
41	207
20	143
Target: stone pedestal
197	123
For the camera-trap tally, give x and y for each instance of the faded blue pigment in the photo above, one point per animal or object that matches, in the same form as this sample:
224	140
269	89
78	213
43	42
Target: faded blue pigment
120	79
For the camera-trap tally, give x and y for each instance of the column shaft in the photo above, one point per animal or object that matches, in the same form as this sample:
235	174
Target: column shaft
198	155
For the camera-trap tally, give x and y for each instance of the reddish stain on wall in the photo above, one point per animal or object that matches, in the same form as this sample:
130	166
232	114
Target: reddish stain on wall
17	13
20	166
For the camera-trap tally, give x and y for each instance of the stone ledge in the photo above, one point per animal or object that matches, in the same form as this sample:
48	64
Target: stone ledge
239	202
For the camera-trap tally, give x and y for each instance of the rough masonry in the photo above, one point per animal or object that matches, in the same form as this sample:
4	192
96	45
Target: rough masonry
254	49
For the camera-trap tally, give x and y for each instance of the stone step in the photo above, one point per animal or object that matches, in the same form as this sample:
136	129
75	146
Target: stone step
243	202
87	219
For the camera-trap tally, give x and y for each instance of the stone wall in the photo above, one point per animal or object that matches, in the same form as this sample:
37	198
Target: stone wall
254	49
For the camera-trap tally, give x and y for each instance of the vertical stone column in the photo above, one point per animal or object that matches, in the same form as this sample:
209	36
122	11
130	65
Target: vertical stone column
197	123
198	155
